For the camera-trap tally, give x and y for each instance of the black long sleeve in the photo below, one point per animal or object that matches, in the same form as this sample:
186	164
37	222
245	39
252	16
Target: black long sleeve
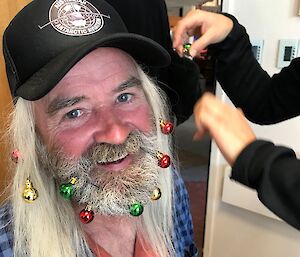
274	171
264	99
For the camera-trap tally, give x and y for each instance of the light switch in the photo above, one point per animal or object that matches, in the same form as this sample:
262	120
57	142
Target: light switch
257	49
288	49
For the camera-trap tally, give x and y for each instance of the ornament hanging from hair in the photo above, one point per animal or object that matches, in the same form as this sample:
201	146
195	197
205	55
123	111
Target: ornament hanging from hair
166	126
67	190
30	194
136	209
156	194
86	215
15	156
164	160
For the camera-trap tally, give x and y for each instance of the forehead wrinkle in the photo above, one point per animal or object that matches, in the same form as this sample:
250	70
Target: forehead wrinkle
62	102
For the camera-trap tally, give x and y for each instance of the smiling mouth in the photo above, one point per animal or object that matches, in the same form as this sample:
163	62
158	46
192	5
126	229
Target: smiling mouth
111	162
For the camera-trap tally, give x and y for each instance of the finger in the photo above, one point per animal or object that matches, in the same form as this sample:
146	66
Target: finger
186	26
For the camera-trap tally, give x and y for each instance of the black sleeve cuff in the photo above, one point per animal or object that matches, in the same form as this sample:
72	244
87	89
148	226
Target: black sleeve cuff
243	170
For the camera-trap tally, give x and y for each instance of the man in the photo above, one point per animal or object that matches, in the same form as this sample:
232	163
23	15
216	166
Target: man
87	136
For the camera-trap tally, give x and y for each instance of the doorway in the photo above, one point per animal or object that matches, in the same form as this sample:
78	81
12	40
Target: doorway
194	156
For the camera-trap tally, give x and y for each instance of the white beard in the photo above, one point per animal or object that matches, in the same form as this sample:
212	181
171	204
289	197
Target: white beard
110	193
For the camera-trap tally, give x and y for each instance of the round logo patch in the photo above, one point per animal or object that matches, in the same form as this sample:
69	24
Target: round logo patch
75	17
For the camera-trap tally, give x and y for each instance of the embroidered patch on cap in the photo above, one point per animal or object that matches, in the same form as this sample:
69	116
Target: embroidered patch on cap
75	17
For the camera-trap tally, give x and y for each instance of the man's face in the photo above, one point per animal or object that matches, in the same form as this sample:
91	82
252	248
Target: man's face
100	100
94	125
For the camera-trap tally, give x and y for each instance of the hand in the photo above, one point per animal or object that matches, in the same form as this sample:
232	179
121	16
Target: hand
211	27
227	126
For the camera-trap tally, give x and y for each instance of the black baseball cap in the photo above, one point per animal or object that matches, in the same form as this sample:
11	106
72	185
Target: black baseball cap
47	38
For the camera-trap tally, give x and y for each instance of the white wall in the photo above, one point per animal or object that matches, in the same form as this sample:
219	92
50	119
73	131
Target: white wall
232	231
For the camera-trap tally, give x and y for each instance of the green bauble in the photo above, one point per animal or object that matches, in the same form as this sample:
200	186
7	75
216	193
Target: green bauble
187	46
186	49
136	209
67	190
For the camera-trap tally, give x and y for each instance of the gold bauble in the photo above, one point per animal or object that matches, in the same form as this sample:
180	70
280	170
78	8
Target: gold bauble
156	194
29	193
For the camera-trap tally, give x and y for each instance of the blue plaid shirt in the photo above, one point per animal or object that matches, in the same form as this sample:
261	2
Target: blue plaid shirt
183	227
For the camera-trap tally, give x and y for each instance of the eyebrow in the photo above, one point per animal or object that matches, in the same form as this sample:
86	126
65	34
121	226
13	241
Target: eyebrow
131	82
60	103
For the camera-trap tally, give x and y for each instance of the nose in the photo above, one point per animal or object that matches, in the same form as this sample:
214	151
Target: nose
110	128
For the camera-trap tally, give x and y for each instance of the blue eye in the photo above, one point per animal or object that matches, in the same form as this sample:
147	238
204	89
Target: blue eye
74	114
124	97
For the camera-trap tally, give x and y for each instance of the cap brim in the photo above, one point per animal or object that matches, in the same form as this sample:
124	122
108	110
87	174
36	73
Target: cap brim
142	49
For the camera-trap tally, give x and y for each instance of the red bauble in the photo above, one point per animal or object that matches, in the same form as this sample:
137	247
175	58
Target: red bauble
15	156
166	127
164	161
86	216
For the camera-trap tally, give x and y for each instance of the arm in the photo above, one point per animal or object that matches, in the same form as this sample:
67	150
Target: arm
263	99
273	171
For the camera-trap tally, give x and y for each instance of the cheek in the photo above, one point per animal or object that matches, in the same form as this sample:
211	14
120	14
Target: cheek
141	118
74	142
70	142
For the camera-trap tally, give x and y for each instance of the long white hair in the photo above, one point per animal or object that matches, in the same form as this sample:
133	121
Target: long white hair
48	227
